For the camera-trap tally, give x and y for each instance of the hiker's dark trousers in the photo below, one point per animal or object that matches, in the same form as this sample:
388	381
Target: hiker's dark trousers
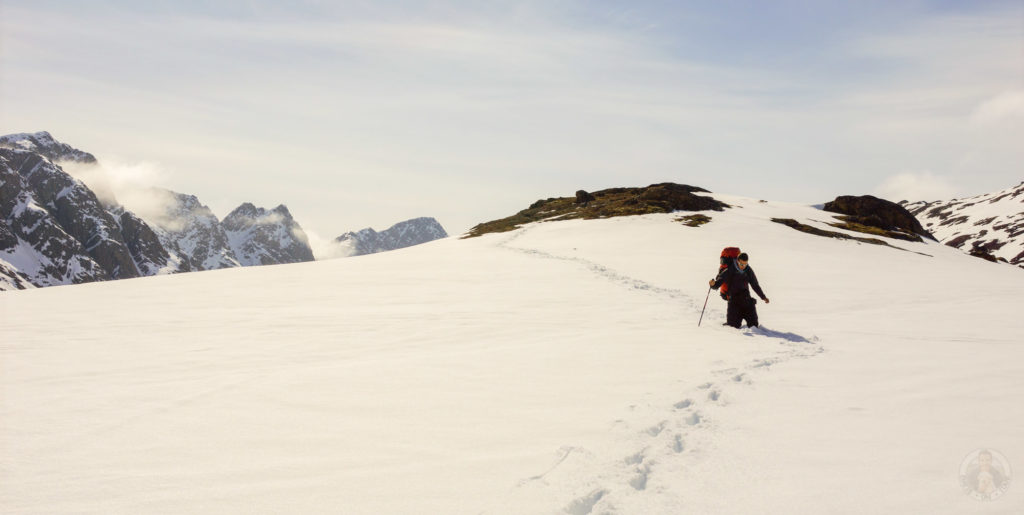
741	307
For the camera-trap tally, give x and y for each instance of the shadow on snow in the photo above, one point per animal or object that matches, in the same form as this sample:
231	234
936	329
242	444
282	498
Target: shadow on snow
763	331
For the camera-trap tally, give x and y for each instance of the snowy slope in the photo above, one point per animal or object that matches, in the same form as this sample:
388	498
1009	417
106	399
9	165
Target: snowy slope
554	369
992	223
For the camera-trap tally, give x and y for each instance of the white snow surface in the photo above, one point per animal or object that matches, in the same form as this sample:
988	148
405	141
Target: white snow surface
558	368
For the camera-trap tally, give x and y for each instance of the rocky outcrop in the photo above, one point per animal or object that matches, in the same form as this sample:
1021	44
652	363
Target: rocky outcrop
149	254
13	279
867	211
76	209
656	198
190	231
989	226
398	236
266	237
43	144
582	197
35	250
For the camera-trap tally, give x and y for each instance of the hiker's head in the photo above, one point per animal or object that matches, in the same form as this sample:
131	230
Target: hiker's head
741	260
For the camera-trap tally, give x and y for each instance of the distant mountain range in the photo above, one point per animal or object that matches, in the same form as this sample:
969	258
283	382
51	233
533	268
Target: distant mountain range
57	231
990	226
401	235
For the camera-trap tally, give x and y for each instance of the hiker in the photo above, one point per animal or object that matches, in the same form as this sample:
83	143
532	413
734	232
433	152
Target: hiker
738	276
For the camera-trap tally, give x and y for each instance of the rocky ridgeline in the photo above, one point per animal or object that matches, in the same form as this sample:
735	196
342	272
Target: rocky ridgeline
78	240
989	226
150	255
35	250
401	235
57	231
266	237
42	143
188	229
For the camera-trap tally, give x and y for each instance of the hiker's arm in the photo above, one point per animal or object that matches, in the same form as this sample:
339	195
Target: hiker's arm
722	278
757	287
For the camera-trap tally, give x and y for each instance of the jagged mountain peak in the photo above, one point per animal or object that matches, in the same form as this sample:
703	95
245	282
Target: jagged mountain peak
260	236
58	232
249	211
43	143
403	234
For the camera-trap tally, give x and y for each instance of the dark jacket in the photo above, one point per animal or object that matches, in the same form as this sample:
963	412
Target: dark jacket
739	281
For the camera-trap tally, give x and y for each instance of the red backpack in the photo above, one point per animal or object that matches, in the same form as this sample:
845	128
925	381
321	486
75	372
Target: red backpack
729	255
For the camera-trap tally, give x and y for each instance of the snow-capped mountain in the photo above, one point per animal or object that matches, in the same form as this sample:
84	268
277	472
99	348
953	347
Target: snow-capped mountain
150	255
266	237
401	235
43	144
56	229
990	225
68	204
189	230
35	250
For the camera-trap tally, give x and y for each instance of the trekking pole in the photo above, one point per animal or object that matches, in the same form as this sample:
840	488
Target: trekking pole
705	307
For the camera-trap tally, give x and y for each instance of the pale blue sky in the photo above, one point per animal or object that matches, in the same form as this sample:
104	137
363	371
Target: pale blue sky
360	114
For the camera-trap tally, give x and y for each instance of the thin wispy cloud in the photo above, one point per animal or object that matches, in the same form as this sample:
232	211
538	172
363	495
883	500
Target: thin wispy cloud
467	112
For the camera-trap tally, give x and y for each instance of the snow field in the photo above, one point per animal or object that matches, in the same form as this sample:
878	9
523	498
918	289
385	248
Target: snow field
555	369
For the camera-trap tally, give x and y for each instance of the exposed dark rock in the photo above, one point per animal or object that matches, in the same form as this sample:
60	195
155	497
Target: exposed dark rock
809	229
989	246
879	213
77	210
582	197
541	202
41	251
981	253
694	220
954	221
959	240
657	198
149	254
678	197
833	234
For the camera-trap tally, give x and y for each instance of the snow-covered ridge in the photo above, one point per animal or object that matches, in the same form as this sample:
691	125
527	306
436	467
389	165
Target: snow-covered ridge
57	231
265	237
44	144
190	231
398	236
989	225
